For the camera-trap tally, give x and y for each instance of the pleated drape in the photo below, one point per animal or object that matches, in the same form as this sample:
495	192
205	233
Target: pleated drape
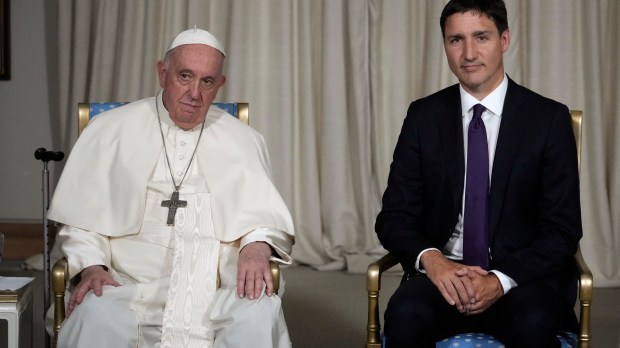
329	82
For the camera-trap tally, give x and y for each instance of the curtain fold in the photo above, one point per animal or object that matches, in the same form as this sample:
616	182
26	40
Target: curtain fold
329	83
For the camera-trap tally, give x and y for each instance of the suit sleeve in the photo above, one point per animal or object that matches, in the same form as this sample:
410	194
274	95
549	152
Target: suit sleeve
399	224
557	225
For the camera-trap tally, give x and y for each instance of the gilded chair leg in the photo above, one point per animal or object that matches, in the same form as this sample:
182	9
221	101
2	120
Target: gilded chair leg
373	285
584	320
59	282
373	339
586	290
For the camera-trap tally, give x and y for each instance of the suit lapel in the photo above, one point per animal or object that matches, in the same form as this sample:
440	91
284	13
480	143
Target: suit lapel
510	132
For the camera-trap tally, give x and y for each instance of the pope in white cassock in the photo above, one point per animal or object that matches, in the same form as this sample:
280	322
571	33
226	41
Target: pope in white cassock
158	199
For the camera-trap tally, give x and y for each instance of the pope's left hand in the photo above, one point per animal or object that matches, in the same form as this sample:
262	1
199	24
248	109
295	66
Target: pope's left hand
253	270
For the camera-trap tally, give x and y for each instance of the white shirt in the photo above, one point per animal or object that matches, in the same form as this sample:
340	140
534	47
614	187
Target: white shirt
494	106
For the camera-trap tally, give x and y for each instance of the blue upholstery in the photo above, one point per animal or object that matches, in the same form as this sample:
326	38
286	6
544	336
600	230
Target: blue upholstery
470	340
87	111
480	340
96	108
231	108
568	340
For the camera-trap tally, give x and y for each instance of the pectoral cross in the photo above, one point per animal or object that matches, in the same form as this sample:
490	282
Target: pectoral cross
173	204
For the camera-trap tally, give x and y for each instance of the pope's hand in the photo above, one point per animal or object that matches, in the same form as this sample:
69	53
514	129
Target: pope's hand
253	269
93	277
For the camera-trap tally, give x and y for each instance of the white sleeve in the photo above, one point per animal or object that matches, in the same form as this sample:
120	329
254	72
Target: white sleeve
278	240
83	248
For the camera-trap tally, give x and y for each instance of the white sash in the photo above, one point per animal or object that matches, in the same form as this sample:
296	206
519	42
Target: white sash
193	280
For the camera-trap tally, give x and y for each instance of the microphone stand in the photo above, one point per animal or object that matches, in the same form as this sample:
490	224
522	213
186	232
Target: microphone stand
45	156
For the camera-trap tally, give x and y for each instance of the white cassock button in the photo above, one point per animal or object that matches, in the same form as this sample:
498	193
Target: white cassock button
182	143
181	157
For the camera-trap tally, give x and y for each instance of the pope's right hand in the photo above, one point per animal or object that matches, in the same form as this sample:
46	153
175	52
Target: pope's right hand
93	277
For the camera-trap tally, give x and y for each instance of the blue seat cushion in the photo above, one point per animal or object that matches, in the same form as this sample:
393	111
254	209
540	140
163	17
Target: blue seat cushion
470	340
480	340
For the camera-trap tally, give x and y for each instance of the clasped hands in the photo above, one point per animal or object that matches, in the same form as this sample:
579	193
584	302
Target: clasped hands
253	271
470	289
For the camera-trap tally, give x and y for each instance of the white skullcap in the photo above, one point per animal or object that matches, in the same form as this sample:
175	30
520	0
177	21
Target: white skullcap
196	36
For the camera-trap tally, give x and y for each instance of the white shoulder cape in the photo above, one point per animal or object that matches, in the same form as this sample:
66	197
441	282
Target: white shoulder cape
103	185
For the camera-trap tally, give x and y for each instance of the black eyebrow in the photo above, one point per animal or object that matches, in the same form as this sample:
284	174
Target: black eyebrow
455	36
479	33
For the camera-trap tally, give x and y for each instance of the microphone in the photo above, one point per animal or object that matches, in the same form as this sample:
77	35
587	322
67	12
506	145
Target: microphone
46	156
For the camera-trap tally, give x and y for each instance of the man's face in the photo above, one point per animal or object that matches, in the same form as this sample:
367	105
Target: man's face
190	80
475	49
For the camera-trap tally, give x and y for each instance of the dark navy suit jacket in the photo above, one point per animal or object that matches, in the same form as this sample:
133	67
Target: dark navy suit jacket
535	219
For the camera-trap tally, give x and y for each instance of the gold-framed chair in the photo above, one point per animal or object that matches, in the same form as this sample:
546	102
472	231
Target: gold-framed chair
585	283
60	270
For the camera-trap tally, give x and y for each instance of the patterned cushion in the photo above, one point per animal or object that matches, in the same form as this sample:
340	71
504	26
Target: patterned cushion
97	108
470	340
480	340
230	108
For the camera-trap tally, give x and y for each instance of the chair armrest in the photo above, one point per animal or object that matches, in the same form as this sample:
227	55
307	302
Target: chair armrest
60	272
373	285
586	289
275	275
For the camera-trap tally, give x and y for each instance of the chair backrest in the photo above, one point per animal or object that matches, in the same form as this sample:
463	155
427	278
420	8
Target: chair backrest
576	120
86	111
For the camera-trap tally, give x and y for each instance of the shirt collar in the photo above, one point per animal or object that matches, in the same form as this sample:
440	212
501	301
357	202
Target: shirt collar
494	102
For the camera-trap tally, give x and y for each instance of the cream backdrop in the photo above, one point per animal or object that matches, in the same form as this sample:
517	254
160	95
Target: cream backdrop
329	82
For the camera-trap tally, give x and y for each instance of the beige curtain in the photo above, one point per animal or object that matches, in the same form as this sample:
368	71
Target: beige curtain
329	82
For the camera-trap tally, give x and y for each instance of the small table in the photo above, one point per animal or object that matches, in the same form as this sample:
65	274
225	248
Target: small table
16	312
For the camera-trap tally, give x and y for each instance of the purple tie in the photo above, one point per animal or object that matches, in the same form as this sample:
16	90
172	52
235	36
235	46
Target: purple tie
476	219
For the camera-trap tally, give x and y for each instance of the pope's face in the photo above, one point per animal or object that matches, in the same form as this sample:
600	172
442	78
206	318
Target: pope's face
190	79
474	48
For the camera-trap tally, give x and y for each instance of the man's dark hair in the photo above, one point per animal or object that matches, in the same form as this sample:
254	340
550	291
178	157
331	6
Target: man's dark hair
495	9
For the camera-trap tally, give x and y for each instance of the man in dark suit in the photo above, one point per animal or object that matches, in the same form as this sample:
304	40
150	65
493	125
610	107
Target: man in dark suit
518	282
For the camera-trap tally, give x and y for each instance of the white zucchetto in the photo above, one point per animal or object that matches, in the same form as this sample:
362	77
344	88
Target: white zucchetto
196	36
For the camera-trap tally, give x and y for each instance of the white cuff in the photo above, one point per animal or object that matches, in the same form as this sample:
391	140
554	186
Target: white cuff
267	235
507	282
417	261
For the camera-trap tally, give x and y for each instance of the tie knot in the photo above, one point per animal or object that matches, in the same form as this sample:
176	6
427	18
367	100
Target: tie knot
478	110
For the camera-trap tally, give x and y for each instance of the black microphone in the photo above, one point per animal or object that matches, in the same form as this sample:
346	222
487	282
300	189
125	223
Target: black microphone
46	156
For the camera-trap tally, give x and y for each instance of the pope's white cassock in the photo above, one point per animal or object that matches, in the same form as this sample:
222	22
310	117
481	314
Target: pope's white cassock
109	200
